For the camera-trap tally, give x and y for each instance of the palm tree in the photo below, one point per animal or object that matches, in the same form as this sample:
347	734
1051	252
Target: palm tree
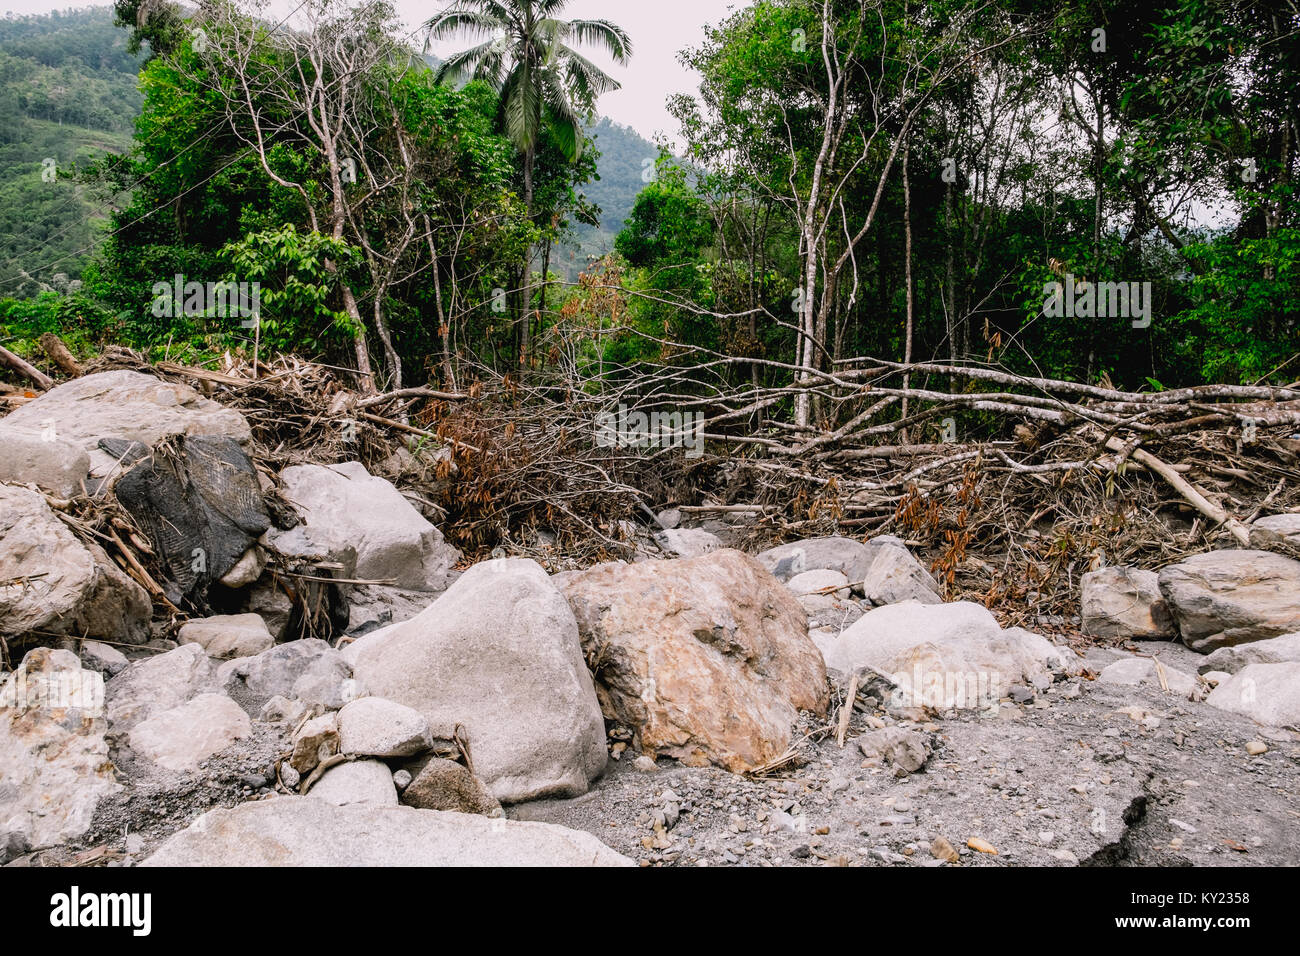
544	83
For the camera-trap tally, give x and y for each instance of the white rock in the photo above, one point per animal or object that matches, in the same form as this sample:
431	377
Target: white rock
944	655
498	653
103	658
1224	598
127	405
178	739
381	728
308	670
55	466
1268	694
305	831
156	684
688	542
228	635
247	570
1137	671
1126	603
851	558
1274	650
894	576
345	505
357	781
54	763
1276	529
315	741
52	582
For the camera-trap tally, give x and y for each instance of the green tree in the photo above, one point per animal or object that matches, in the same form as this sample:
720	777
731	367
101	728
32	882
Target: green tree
545	84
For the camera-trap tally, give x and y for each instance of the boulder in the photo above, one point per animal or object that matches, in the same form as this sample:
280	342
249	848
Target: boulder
156	684
1268	694
54	762
851	558
344	505
707	660
1141	671
824	594
357	781
199	500
905	750
105	658
446	785
51	581
228	635
124	405
1273	530
52	464
1273	650
498	653
894	575
376	727
944	656
305	831
308	670
688	542
246	570
1123	602
315	741
180	738
1225	598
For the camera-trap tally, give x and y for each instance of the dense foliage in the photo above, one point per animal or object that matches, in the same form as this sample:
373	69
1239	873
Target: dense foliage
859	177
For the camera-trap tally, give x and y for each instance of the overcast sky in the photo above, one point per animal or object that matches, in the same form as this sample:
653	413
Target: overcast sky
659	29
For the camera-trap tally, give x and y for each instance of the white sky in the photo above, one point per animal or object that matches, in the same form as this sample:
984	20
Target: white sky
659	29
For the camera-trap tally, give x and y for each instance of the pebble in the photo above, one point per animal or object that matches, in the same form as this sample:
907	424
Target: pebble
402	779
1256	747
646	764
941	849
290	776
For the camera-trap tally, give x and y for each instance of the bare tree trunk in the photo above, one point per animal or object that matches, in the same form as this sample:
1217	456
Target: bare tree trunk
907	270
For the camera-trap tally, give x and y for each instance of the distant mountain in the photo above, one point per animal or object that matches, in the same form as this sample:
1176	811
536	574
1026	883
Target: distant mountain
624	155
68	91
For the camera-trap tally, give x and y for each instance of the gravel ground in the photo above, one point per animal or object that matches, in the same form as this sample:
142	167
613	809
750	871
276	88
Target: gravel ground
1065	779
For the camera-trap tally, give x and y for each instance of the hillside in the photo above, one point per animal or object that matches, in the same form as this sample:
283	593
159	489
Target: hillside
67	93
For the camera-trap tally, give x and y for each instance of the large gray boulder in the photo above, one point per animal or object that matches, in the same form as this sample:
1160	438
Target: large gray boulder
894	575
1273	530
851	558
54	763
498	653
1274	650
1268	694
944	656
344	505
51	581
308	670
305	831
157	684
1123	602
52	464
1232	597
125	405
